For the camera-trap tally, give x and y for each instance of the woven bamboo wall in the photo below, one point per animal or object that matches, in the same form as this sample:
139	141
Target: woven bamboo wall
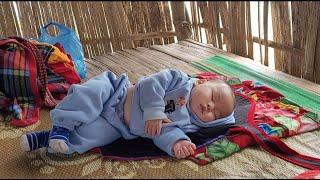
295	28
109	26
102	26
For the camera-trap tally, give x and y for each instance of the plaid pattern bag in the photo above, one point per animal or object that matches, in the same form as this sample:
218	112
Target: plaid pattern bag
23	81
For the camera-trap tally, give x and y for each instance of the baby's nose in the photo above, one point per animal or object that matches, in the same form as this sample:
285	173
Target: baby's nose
209	106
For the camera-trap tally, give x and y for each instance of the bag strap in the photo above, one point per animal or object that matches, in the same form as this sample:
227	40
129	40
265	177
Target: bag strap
41	68
7	40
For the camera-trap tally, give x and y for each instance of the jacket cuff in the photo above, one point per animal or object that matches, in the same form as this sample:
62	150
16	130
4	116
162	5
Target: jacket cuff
154	113
167	140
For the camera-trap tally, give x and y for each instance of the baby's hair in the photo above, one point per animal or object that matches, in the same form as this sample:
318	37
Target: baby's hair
230	88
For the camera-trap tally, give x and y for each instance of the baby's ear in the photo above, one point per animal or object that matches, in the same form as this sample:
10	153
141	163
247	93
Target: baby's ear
200	81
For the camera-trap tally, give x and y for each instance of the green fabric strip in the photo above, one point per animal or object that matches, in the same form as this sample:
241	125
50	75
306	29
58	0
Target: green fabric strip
223	66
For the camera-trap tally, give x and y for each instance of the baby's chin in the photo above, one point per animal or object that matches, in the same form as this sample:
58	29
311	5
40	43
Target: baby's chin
205	119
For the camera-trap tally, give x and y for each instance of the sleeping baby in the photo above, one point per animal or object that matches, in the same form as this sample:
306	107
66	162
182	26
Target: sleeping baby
163	107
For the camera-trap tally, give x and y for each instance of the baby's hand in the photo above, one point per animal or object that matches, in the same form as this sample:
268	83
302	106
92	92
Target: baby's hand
153	126
183	149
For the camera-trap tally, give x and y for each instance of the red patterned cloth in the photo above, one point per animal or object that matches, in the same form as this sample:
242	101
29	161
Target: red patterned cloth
311	174
270	117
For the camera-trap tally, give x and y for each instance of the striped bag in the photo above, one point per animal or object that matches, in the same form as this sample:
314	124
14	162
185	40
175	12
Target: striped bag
23	81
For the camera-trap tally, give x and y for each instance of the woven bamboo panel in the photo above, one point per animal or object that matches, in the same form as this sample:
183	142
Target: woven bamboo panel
8	20
295	27
101	26
110	26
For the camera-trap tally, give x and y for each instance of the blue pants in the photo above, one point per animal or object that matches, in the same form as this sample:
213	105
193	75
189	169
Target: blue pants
93	112
101	133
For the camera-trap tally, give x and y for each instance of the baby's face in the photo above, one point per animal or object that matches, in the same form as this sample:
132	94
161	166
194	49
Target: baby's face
211	100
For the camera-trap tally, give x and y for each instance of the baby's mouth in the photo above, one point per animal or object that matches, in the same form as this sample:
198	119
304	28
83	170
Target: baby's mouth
202	108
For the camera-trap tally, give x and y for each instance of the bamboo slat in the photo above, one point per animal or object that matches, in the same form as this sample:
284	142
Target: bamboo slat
317	59
212	17
135	20
79	22
155	20
36	16
144	6
169	25
199	20
94	11
299	34
110	10
69	15
180	17
10	27
232	26
242	30
259	32
217	12
55	13
265	31
249	31
207	19
236	22
25	22
105	29
85	17
194	19
311	40
132	26
281	33
91	27
2	19
225	24
62	9
144	25
14	20
298	52
204	11
124	25
46	17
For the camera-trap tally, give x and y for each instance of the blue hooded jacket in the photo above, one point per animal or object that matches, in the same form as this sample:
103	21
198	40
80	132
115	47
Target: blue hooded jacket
166	95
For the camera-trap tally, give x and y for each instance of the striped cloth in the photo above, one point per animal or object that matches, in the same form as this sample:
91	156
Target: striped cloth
26	75
20	91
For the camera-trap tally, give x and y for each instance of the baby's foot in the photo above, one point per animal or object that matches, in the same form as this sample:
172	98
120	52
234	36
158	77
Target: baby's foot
24	144
34	140
58	145
58	139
